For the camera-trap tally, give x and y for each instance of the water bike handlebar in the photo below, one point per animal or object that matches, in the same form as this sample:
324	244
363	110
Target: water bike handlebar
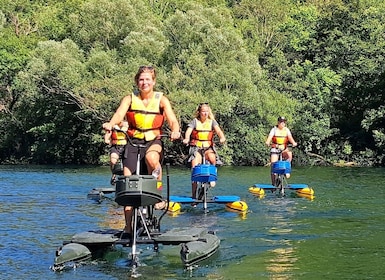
276	146
214	143
169	136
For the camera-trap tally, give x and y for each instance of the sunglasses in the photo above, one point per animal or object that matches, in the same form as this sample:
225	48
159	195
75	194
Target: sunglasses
144	67
201	104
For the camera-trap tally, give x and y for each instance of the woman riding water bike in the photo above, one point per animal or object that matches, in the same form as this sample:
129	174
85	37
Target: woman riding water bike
201	131
278	140
145	111
117	140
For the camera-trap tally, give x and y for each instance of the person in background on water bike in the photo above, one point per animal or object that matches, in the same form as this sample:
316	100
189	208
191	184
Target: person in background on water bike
278	139
117	141
201	130
144	111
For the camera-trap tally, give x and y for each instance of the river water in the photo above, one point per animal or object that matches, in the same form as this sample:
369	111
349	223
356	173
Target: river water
338	235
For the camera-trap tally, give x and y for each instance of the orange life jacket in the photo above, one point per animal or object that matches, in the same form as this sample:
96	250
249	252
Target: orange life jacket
203	133
280	137
118	138
145	122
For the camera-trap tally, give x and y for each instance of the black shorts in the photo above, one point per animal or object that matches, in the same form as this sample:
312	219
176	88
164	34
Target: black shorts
117	149
275	151
135	147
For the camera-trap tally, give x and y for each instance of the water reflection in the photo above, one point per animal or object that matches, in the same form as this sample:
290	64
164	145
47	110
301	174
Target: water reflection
282	260
114	219
288	238
283	263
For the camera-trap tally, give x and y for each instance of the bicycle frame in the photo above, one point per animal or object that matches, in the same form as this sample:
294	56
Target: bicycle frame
145	223
203	185
279	170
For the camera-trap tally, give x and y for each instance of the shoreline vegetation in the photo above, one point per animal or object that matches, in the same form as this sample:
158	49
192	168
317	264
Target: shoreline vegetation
65	65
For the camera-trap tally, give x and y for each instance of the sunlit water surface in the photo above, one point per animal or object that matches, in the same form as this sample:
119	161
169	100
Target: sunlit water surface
338	235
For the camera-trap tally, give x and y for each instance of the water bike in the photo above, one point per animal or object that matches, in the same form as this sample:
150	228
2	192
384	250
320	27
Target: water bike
279	169
105	193
205	176
142	193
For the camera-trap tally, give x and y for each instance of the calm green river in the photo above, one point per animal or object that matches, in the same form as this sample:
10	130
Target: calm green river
338	235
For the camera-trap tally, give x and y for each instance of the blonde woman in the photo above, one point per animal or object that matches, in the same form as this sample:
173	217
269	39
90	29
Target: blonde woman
199	135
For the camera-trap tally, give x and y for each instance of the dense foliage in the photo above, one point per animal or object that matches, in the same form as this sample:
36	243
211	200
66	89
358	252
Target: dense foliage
65	65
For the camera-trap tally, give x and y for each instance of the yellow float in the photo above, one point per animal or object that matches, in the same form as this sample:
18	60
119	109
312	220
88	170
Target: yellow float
257	191
237	206
174	207
306	193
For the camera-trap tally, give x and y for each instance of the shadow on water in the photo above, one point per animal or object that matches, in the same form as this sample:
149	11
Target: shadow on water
338	235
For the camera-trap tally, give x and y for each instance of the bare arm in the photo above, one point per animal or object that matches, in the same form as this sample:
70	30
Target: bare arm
107	137
171	118
119	114
187	135
268	141
221	135
269	138
291	139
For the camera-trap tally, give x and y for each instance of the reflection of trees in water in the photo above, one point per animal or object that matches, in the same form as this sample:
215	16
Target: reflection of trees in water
114	218
282	261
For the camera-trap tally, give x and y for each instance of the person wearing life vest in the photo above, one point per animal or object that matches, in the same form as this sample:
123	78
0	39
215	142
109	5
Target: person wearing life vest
277	140
145	111
117	140
199	135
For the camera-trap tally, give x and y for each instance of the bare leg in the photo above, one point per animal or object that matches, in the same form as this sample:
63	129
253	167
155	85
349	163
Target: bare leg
153	163
153	159
197	160
272	178
211	158
194	186
273	158
113	160
128	217
287	155
127	209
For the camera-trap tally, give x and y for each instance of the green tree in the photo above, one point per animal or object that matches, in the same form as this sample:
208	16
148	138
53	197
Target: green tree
208	62
352	44
57	131
65	65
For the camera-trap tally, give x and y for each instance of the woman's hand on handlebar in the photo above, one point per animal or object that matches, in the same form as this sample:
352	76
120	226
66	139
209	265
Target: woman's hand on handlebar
292	145
175	135
107	126
282	147
186	141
